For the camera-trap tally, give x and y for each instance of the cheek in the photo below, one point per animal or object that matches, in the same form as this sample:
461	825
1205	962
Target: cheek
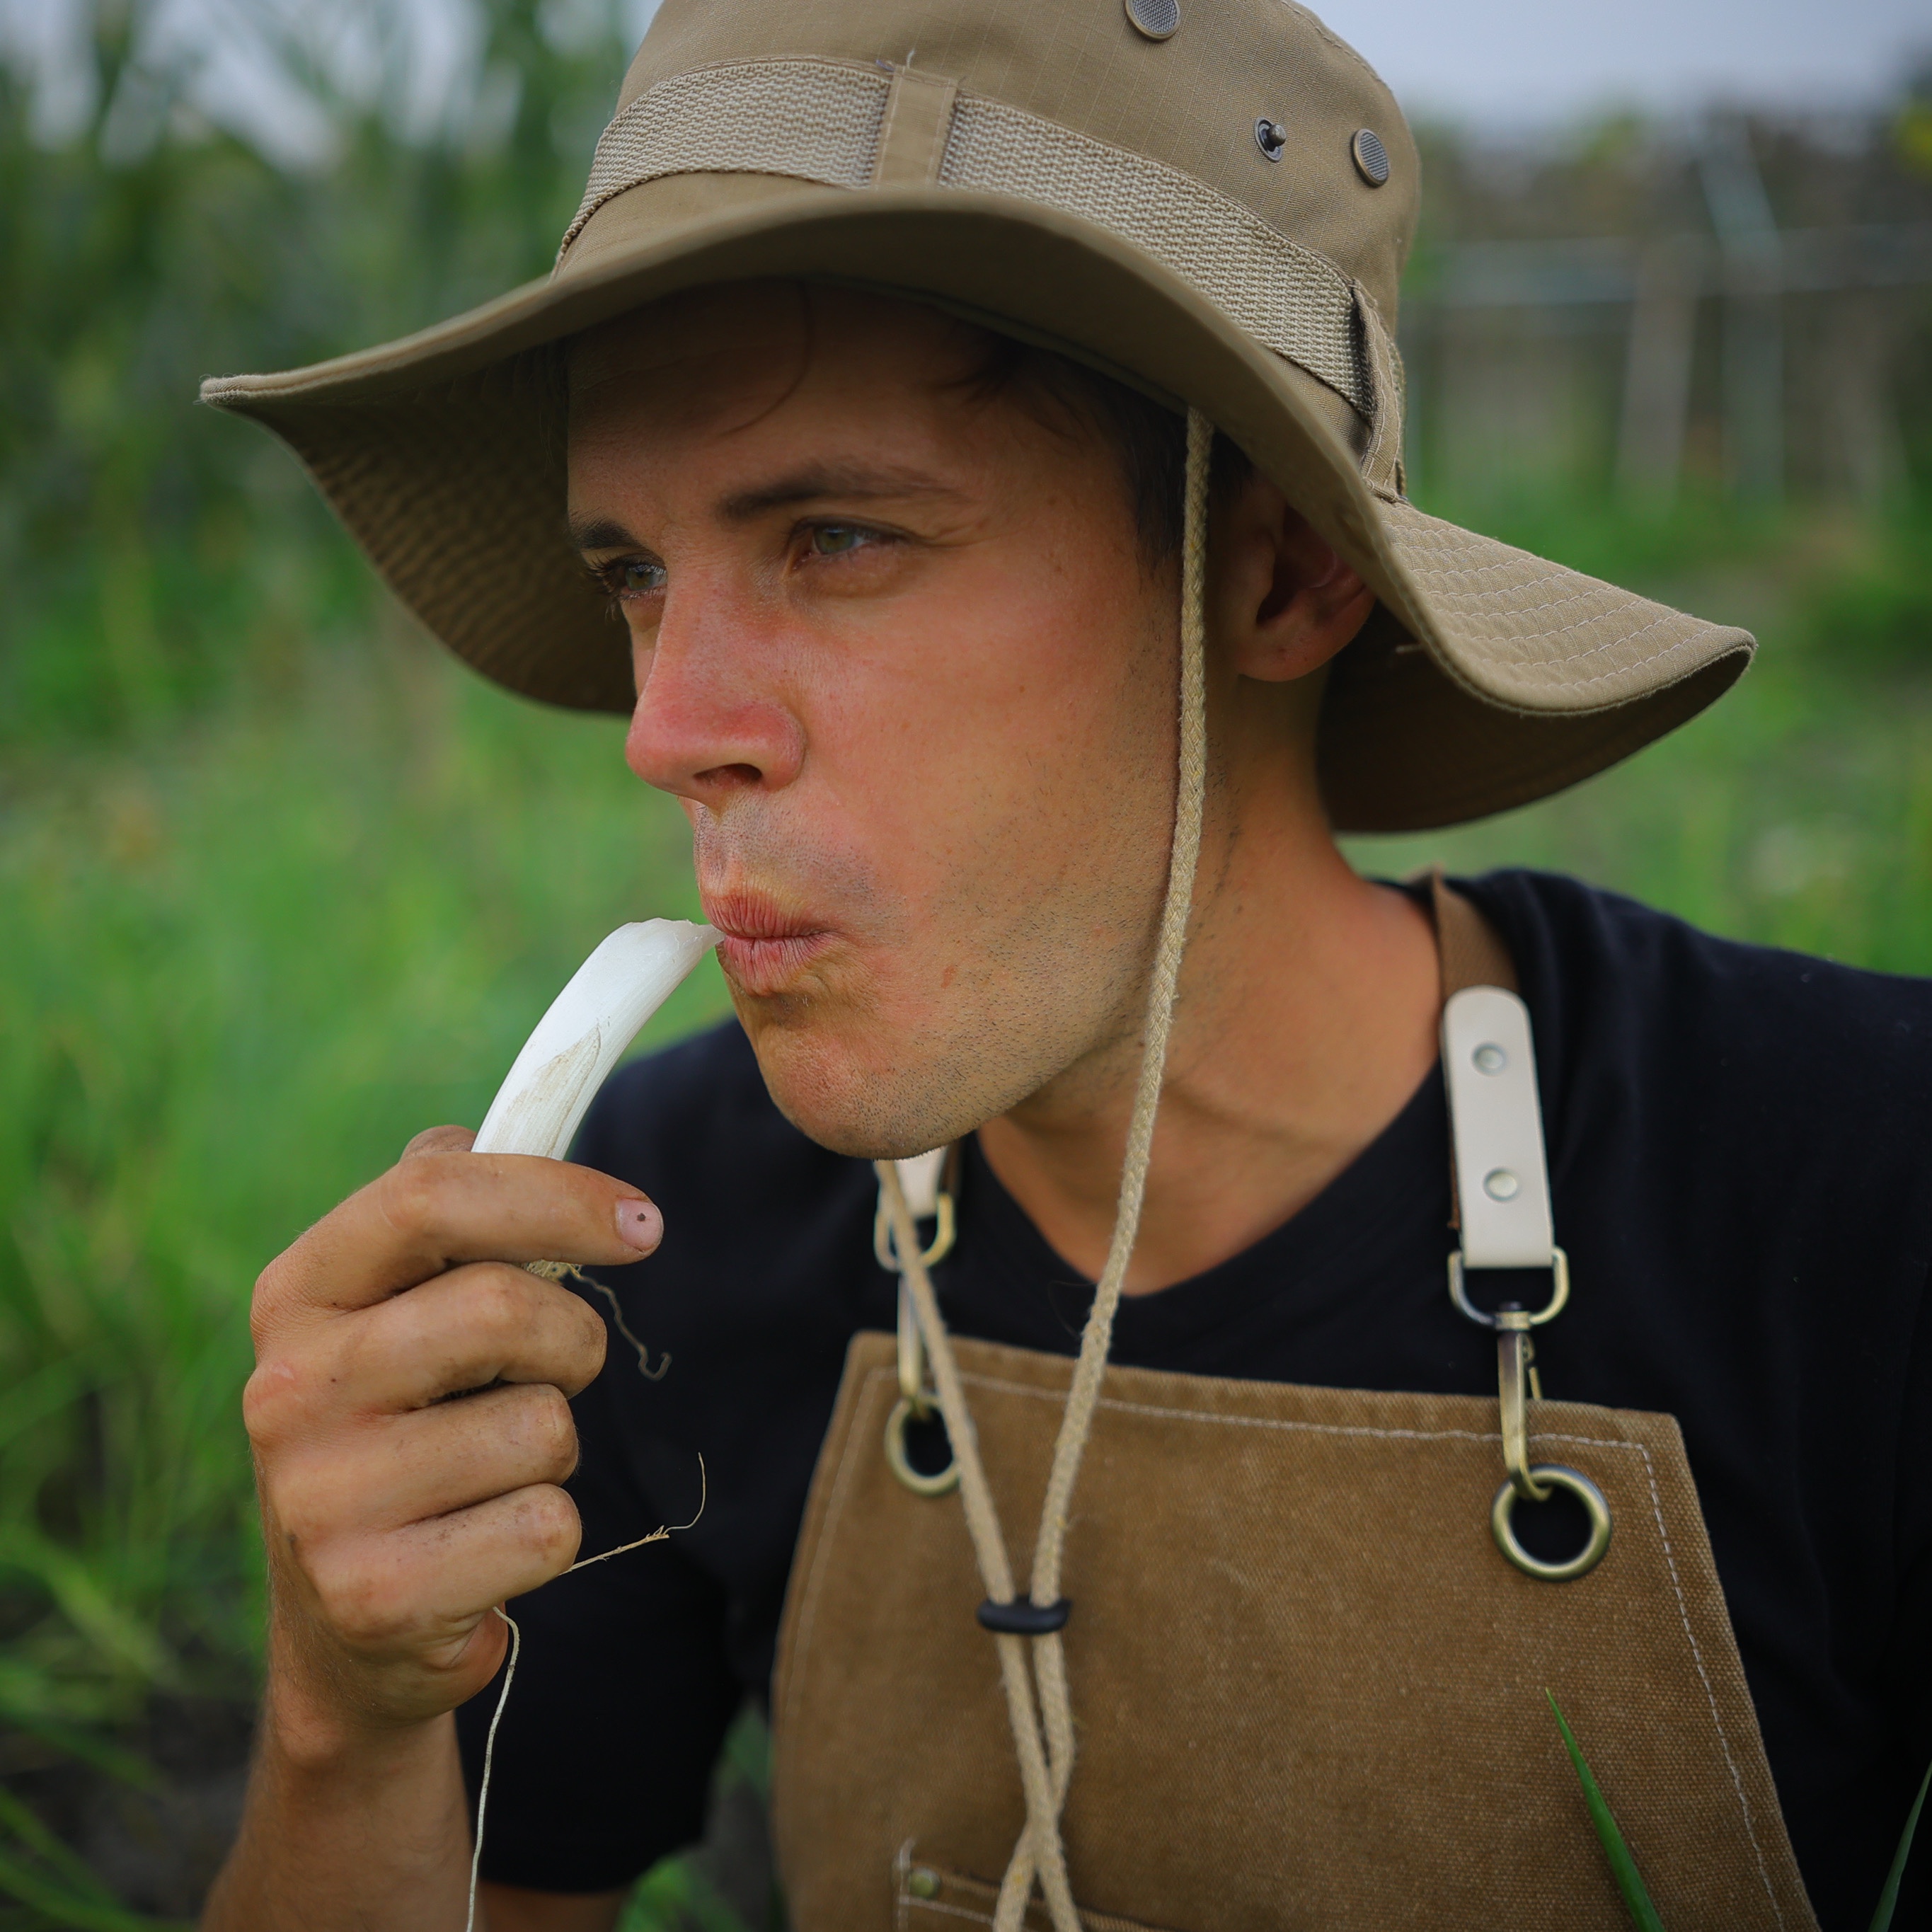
1004	761
1023	804
1009	715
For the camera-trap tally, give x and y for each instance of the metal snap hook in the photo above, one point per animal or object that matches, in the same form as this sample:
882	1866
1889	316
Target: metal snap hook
1548	1476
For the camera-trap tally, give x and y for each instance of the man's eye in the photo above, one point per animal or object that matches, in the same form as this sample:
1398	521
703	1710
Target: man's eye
636	578
628	577
836	539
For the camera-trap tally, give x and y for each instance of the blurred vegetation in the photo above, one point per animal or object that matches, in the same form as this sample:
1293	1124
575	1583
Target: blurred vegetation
277	889
280	885
150	555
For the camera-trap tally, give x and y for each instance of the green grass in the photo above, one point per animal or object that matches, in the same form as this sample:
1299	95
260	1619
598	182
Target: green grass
1629	1881
1644	1916
1798	810
243	963
278	885
251	948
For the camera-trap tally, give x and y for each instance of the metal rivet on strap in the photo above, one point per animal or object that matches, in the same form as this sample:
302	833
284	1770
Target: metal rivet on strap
1499	1184
1270	136
1371	157
1489	1058
1155	19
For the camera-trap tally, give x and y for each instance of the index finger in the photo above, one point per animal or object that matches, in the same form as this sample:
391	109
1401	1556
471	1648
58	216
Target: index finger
433	1211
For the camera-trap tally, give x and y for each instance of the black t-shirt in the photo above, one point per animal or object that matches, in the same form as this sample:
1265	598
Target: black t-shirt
1740	1146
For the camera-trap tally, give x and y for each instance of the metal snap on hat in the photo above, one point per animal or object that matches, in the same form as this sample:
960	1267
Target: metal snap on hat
1053	169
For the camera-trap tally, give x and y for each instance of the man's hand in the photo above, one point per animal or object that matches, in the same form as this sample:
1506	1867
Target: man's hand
410	1418
410	1413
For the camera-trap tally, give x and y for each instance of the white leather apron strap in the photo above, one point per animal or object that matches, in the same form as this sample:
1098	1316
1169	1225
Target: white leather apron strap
1504	1220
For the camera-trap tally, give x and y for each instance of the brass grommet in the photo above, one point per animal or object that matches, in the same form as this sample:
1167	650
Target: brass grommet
938	1484
1372	162
1553	1475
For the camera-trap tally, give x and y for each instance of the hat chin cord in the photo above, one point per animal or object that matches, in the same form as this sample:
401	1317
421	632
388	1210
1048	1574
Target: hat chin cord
1038	1702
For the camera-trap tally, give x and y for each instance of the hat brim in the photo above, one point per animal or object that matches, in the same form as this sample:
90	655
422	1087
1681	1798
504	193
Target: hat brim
1487	678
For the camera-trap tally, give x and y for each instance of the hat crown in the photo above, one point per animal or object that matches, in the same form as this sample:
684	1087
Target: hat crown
1189	102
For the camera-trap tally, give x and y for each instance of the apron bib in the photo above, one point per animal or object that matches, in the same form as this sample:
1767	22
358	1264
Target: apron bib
1309	1688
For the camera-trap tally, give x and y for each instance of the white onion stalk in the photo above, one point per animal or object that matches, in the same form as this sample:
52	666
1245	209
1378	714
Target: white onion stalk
537	1110
552	1081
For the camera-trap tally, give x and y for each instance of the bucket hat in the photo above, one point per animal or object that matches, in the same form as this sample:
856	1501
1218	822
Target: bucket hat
1210	200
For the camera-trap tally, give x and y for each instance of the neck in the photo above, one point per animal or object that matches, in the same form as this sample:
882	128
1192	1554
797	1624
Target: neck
1306	1018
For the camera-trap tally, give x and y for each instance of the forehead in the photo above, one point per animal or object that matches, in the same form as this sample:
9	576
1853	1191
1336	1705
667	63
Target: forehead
658	339
761	342
709	397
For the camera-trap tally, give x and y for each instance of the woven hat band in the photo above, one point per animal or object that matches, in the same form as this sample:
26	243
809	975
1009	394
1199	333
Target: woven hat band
842	126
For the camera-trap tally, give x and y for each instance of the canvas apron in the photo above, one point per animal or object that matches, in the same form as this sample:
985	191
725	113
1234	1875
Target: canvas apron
1309	1688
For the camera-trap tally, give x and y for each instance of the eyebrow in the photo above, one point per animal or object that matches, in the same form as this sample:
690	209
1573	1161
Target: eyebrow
600	533
854	482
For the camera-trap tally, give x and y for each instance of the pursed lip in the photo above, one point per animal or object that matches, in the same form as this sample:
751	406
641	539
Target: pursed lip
764	948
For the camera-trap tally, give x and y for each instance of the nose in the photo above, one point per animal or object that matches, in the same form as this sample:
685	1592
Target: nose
714	721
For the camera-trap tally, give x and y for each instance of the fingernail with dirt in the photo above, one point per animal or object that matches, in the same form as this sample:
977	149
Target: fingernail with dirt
640	1224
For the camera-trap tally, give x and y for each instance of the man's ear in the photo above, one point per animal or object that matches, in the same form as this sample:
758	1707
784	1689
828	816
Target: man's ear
1284	602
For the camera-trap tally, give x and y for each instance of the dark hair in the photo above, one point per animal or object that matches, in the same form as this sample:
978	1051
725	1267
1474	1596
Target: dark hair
1148	439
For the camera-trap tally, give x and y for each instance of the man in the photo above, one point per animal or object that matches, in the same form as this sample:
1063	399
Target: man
858	391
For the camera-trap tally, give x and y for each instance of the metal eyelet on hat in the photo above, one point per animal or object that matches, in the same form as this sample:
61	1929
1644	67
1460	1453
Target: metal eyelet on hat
1372	159
1155	19
1270	136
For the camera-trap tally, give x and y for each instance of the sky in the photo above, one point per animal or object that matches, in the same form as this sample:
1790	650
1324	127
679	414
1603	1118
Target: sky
1512	64
1503	67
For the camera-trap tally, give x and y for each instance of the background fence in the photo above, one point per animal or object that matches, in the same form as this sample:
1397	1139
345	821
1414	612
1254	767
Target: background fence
1744	307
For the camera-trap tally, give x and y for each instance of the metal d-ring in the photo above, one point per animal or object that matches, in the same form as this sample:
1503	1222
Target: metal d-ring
944	1229
1559	1291
911	1408
1553	1476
